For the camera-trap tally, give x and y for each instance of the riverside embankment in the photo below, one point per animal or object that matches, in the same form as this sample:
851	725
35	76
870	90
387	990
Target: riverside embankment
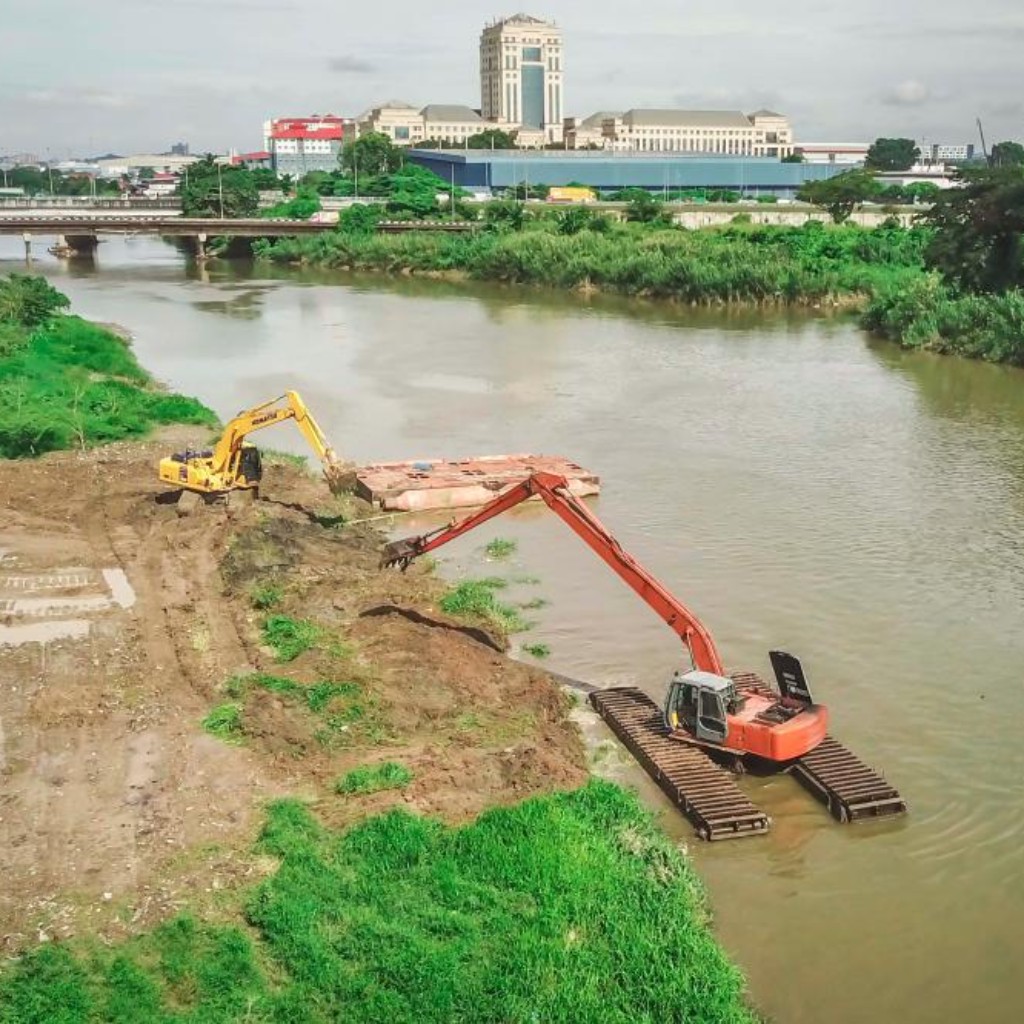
798	483
231	745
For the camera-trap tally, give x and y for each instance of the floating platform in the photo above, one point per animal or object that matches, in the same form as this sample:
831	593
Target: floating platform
708	795
424	484
705	792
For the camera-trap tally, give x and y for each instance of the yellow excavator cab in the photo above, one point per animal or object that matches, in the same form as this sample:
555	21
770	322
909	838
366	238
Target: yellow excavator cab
234	464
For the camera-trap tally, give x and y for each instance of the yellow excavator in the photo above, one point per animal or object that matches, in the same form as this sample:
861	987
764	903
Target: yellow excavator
235	465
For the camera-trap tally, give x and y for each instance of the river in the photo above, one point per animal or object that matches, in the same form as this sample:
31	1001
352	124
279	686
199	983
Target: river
797	484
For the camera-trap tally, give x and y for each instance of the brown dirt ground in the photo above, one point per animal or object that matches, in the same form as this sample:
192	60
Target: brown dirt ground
116	807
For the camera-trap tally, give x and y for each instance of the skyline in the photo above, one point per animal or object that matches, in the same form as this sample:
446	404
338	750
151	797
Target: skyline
211	73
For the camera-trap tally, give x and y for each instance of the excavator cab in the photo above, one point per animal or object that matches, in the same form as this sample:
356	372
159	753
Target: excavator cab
699	702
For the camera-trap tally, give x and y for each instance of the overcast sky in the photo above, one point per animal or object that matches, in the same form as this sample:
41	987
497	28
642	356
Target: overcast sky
137	75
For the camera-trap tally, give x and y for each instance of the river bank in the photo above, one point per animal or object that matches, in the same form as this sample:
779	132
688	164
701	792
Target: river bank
878	272
259	654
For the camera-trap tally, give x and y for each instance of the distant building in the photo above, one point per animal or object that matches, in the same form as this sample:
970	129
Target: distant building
484	171
400	122
521	77
725	132
938	153
298	145
588	132
162	184
261	158
179	149
450	123
117	166
848	153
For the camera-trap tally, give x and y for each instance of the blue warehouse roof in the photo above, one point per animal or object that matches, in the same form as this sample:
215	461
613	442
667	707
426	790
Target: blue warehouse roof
609	172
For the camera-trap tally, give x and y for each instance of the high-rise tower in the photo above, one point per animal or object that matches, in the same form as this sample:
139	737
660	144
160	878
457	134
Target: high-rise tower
521	76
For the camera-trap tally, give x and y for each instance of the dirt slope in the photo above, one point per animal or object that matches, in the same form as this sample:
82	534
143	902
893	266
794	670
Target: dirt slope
121	625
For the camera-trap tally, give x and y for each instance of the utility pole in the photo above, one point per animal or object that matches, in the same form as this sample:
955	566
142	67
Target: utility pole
355	171
220	189
453	190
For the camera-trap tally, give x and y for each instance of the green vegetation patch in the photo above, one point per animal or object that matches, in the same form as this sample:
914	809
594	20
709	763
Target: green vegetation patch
266	595
224	722
475	599
373	778
67	383
500	548
290	637
566	908
537	650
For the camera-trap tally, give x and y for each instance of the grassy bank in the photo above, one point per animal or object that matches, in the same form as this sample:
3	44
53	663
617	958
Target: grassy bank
68	383
926	314
571	907
740	263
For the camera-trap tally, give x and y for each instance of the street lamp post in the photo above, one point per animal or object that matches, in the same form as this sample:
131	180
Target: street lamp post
220	189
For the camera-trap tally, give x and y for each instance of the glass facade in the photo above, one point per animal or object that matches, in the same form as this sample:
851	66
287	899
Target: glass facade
533	95
531	53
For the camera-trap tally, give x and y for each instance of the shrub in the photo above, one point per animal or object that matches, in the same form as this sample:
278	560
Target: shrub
500	548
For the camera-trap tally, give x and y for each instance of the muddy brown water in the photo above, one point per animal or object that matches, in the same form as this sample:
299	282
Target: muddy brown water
798	484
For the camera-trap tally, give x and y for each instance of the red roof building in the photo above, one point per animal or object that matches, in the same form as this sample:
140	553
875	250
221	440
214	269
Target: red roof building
301	144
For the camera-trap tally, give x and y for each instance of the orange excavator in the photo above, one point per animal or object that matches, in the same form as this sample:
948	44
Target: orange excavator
704	707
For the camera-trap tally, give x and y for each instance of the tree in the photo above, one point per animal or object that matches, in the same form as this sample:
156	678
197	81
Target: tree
892	155
577	219
360	219
840	195
372	153
1007	154
492	138
643	208
504	215
213	190
978	229
29	301
793	158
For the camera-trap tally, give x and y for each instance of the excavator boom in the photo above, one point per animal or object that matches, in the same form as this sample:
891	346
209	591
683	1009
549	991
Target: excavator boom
554	491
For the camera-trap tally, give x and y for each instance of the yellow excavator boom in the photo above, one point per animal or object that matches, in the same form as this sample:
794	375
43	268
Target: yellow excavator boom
233	464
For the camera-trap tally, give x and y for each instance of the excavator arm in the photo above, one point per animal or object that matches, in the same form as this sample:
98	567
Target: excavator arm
266	415
554	490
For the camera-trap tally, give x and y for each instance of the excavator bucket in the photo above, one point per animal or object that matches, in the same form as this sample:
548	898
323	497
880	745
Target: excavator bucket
400	553
340	476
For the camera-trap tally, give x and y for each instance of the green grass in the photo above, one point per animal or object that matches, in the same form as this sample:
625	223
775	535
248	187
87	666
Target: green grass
347	714
224	722
266	595
67	383
500	548
373	778
290	637
566	908
537	650
475	599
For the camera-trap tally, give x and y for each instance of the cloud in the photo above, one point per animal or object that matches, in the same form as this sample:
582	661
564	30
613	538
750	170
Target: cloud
909	93
84	98
349	65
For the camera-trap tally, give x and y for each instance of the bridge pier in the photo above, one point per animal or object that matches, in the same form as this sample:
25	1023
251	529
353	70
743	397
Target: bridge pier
81	245
28	246
201	254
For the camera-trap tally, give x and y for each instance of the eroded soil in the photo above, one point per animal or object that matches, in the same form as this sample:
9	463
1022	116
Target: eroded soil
122	625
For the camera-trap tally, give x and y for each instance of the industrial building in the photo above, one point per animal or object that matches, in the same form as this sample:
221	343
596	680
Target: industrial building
492	171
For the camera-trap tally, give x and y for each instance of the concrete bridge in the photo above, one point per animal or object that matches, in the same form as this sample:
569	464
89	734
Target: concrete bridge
79	231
